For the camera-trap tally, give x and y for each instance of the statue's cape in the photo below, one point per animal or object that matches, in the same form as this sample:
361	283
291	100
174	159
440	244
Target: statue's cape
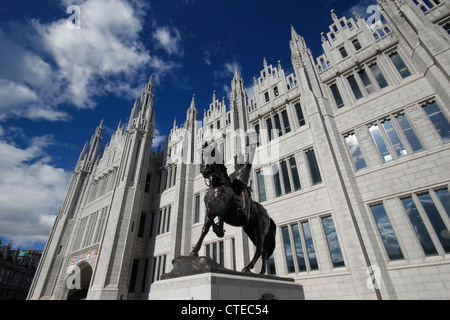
243	173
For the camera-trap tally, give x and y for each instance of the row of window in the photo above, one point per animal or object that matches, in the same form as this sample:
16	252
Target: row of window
299	250
159	268
102	186
286	178
278	124
428	214
395	137
369	79
90	229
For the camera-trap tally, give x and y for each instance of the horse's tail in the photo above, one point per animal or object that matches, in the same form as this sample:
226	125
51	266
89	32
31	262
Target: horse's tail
269	240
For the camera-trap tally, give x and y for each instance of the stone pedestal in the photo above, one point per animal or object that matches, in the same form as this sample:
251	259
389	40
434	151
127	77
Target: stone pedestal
202	279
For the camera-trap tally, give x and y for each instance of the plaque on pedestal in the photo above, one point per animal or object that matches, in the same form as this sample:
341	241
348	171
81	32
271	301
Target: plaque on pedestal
200	278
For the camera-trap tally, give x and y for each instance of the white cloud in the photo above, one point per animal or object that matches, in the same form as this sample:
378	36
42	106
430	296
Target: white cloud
107	44
169	40
31	191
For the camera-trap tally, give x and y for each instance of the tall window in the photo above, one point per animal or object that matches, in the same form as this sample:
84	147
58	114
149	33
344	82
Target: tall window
197	208
142	225
419	226
277	182
337	95
438	119
294	173
378	75
287	125
426	211
313	167
394	138
343	52
409	133
386	232
400	65
381	144
159	267
333	243
354	86
284	171
356	44
261	186
299	237
269	128
300	117
366	81
355	151
276	118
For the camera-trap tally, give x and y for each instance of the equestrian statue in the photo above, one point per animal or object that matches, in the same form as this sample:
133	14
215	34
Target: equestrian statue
228	199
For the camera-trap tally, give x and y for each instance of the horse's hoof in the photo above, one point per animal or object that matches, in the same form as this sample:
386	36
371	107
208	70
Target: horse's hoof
246	270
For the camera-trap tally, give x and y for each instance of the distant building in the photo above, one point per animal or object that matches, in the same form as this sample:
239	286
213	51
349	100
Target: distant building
353	165
17	269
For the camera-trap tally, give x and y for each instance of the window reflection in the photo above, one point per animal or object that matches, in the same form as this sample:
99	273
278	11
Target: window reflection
419	227
395	140
288	250
355	151
381	145
409	133
439	121
436	220
310	246
387	233
333	243
444	197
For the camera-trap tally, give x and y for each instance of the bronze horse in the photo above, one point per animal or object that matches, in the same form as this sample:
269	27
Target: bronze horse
222	201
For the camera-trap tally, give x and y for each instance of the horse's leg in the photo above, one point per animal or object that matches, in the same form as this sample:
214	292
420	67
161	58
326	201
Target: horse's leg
259	250
264	261
205	230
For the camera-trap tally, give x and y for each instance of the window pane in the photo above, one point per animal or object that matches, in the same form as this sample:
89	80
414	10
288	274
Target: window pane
313	167
436	220
288	250
387	233
278	125
337	96
287	126
366	81
395	140
419	227
409	133
294	173
271	266
333	243
299	248
310	246
444	197
400	65
355	87
269	128
355	151
301	118
284	171
376	71
382	147
439	121
261	187
197	208
277	182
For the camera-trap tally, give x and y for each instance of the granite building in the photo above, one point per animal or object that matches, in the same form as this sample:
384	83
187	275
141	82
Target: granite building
352	164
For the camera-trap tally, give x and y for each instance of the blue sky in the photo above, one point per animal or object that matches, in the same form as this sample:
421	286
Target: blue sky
57	83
